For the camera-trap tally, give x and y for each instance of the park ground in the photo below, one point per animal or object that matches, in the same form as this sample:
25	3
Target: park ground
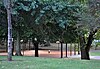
55	52
94	54
50	60
26	62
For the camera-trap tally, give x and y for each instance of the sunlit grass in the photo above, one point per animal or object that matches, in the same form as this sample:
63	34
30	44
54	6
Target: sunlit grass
20	62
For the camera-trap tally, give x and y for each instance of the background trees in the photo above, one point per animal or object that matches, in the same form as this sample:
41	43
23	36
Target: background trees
53	20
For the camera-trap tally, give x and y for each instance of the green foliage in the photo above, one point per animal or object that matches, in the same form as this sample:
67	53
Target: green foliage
97	35
89	18
3	22
45	17
57	15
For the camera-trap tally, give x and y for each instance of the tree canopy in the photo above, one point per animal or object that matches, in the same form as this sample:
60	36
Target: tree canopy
52	20
40	17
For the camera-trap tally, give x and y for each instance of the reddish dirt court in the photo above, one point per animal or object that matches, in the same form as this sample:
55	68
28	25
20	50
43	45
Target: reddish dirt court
42	53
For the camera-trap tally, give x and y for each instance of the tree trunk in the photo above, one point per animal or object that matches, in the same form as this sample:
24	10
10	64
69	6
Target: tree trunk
36	48
9	30
18	48
29	41
84	52
6	45
13	47
85	48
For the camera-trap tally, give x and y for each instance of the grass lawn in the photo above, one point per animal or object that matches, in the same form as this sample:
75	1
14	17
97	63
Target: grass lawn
95	53
22	62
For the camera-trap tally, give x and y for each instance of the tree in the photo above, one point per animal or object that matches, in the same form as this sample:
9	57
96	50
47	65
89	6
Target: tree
89	22
55	15
46	18
25	10
7	4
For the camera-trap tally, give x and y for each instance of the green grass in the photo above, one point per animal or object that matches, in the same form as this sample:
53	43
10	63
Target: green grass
21	62
95	53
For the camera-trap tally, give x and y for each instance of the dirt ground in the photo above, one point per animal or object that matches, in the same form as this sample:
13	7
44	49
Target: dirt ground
42	53
55	52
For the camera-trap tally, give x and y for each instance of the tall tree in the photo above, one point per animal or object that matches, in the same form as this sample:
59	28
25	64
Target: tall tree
90	20
7	4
